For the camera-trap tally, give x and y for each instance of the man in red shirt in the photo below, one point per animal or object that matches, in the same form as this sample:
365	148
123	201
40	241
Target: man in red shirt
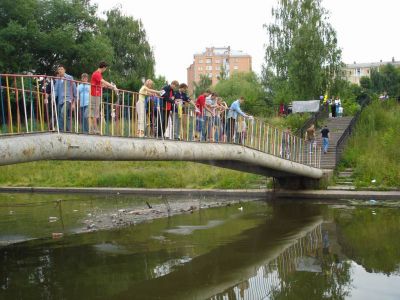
97	83
201	106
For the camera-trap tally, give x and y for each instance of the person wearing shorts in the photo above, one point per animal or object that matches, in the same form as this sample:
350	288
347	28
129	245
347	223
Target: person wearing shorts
97	83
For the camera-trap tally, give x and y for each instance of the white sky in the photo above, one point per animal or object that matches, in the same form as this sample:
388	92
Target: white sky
367	30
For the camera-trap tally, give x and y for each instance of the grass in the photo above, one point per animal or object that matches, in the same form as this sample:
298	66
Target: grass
126	174
374	150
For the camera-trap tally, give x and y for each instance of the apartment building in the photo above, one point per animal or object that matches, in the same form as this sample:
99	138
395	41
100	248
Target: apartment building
353	72
216	63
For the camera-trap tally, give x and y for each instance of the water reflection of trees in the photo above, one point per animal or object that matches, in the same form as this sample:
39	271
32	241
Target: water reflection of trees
307	267
369	236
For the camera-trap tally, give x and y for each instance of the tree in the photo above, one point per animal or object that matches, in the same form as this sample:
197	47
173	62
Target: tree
302	58
201	86
133	57
247	85
365	82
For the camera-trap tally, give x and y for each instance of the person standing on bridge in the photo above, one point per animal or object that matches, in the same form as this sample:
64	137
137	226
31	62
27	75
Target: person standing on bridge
168	98
145	91
65	92
232	119
97	83
325	138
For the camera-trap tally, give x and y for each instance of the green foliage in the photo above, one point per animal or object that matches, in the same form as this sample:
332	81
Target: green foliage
248	86
302	57
159	82
133	57
38	35
374	149
203	85
386	78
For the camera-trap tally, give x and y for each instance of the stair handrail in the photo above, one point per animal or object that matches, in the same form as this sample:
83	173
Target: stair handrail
348	131
321	114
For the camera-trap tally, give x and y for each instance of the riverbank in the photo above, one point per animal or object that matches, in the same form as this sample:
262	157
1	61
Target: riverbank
229	193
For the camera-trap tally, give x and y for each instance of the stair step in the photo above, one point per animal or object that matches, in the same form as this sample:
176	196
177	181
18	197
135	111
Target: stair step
341	187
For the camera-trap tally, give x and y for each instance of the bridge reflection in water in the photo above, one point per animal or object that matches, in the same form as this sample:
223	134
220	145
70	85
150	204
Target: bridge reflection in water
302	255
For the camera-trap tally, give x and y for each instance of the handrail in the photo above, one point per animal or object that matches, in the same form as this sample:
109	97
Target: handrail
348	131
322	113
28	104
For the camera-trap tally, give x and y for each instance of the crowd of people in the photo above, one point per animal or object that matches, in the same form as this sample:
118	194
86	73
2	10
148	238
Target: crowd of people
167	113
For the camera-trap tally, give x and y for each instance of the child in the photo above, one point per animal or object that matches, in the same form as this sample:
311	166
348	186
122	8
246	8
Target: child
83	91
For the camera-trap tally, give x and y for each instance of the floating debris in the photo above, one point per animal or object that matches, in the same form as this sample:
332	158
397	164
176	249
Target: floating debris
53	219
57	235
240	208
372	201
373	180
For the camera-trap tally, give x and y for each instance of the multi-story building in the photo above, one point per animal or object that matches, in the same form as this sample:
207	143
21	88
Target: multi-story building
216	63
353	72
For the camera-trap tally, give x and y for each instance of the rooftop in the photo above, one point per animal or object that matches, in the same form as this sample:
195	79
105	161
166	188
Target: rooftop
221	51
373	64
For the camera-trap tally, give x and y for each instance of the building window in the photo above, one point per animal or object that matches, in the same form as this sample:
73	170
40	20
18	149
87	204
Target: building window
200	68
236	59
217	61
200	61
235	67
209	75
217	68
209	68
358	71
208	61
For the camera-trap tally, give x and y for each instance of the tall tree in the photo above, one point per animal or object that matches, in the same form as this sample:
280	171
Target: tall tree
202	85
302	57
133	57
247	85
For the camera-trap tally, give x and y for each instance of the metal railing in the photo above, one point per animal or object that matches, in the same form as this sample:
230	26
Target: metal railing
321	114
28	104
341	143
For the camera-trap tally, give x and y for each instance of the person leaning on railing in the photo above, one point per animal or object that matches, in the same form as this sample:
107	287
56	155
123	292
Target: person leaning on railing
97	83
145	90
232	119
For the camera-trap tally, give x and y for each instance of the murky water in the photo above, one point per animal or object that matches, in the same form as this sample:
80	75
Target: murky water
77	249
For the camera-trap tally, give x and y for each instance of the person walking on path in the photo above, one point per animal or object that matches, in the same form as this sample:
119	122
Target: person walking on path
310	137
325	138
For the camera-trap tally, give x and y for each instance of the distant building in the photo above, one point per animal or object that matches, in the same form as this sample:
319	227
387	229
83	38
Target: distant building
216	62
353	72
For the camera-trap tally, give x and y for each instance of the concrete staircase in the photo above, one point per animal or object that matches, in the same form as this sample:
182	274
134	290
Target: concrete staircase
344	181
336	127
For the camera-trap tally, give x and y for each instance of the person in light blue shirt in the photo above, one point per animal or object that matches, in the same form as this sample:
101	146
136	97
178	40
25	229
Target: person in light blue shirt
65	92
232	118
84	95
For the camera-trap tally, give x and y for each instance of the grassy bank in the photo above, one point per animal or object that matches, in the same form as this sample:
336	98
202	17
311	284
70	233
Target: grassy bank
126	174
374	150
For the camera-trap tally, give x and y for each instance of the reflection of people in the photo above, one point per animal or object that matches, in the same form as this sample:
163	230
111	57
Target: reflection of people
325	242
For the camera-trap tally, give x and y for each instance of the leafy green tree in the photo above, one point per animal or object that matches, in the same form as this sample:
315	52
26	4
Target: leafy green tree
201	86
302	58
365	83
133	57
386	78
247	85
159	82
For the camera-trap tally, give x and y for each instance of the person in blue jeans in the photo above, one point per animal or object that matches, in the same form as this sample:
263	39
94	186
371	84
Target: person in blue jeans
84	94
325	138
65	92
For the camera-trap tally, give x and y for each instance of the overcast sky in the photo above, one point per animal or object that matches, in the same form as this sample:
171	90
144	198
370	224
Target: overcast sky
368	31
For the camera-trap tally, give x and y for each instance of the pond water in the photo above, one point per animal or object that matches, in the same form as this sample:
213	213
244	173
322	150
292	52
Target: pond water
110	247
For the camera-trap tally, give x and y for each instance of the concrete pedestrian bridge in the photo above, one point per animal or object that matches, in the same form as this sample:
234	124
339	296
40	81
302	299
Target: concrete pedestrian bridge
30	130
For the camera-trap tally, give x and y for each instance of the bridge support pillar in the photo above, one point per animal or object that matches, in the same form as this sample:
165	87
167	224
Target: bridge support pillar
303	183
